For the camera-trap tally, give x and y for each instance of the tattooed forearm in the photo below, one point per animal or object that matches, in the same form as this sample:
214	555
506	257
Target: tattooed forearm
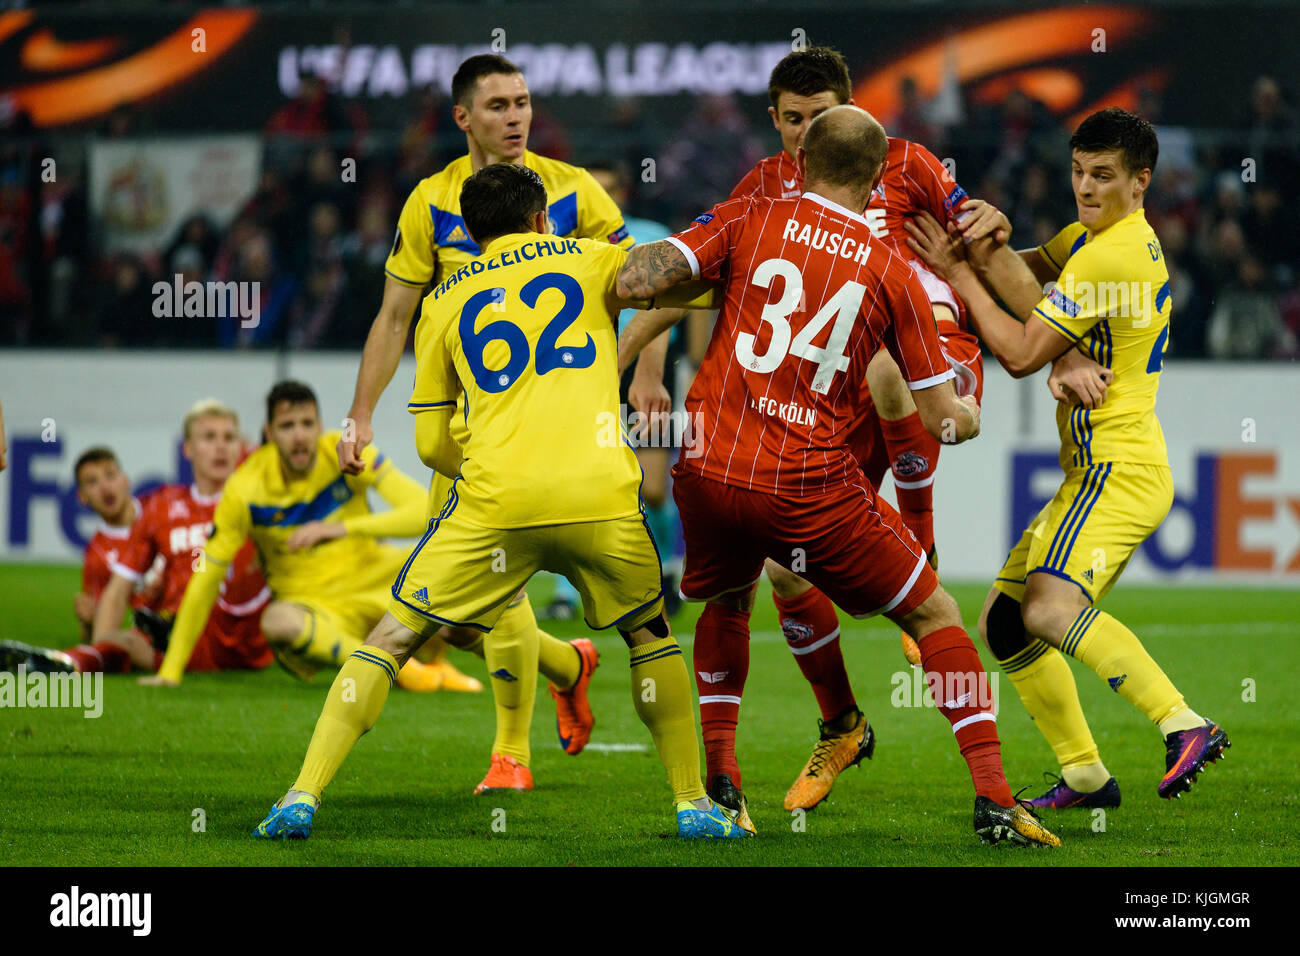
650	269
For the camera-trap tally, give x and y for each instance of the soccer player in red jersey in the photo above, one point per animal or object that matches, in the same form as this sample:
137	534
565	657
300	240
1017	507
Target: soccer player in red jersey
890	436
809	297
175	524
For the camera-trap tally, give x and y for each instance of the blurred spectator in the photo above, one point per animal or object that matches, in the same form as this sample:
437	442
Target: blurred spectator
1246	323
198	236
1272	135
706	158
255	263
125	318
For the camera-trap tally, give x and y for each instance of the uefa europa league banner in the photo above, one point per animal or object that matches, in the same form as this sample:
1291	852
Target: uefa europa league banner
229	69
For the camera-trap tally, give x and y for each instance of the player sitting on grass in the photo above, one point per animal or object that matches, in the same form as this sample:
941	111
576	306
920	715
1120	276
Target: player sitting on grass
316	536
1111	301
104	488
526	332
776	395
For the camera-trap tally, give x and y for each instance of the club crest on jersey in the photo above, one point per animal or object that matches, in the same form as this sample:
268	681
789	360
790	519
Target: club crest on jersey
910	463
795	631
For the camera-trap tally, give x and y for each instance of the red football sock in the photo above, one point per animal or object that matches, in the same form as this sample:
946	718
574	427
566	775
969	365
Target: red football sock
913	457
721	660
100	656
960	687
812	630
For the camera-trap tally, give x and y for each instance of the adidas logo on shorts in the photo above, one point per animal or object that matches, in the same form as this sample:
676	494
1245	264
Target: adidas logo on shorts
422	596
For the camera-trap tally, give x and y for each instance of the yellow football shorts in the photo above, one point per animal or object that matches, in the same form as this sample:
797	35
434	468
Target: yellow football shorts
1089	530
465	575
356	610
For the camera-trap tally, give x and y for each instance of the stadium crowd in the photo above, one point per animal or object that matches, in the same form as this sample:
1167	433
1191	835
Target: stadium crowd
316	244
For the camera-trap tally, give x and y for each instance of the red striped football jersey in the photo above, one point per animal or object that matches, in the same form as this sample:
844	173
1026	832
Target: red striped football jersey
809	297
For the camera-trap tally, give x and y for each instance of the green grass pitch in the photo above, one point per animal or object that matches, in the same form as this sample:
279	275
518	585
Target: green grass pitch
122	790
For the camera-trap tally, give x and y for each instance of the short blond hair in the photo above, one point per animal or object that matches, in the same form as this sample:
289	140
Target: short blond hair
208	406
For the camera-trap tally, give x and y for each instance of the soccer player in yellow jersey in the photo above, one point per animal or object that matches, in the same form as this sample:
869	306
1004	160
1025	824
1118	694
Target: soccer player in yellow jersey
544	480
1111	301
315	535
492	106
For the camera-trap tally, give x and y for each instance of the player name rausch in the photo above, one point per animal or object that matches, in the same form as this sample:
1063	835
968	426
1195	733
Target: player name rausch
834	243
511	257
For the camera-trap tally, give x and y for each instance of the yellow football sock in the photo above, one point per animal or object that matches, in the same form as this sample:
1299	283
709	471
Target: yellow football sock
661	693
1114	652
1042	677
510	652
558	660
321	641
353	705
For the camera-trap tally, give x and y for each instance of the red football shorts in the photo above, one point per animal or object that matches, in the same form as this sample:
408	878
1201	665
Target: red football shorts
866	442
231	643
847	542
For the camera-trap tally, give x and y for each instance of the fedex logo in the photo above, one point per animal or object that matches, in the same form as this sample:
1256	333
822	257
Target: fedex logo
1218	507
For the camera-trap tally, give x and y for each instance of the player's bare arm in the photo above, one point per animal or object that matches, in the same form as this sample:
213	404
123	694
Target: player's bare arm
647	393
379	360
1021	347
113	601
947	416
1077	380
652	269
314	532
645	327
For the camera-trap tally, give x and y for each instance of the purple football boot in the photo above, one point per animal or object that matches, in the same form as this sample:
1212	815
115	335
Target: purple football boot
1061	797
1186	754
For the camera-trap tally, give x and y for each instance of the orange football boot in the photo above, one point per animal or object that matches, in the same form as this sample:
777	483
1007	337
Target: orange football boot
573	717
506	773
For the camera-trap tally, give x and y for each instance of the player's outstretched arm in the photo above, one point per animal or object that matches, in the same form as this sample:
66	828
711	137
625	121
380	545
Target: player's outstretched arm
1022	348
379	360
645	328
192	616
652	269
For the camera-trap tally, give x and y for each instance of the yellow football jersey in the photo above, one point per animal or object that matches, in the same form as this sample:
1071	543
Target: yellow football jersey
1113	300
432	241
525	333
257	502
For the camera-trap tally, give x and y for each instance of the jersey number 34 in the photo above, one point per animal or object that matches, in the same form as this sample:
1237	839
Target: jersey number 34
842	308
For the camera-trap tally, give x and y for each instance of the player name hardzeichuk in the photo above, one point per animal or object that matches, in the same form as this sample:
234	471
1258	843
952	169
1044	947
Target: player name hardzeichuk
511	257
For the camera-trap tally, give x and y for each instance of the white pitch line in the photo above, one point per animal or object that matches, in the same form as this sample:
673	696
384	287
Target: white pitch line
618	748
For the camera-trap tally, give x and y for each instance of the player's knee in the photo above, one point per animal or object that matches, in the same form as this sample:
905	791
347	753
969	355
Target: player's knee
1003	628
938	611
654	629
1041	618
785	582
281	623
